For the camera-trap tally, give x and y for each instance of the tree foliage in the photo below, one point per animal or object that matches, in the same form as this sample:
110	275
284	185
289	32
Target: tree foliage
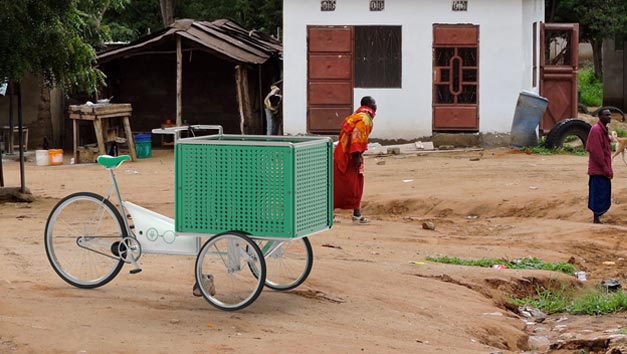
138	18
598	20
96	32
52	38
263	15
141	17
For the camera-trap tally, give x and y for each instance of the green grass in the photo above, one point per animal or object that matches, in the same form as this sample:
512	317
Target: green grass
536	263
559	299
594	301
573	150
621	132
541	149
520	263
549	300
590	87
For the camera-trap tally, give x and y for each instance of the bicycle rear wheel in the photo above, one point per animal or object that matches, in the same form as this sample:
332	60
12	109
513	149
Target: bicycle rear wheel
82	239
222	271
288	263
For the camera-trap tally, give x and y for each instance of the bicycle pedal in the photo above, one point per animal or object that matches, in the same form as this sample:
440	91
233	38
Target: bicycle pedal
135	271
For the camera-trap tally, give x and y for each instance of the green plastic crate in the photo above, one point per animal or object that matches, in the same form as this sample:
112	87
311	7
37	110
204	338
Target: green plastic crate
262	185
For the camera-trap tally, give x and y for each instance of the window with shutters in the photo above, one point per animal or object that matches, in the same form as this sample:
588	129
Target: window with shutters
378	57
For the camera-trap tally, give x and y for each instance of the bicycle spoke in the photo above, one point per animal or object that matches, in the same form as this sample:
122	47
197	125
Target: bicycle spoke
223	257
79	234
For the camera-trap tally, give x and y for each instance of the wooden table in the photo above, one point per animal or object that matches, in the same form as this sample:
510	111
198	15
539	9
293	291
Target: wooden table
97	113
11	136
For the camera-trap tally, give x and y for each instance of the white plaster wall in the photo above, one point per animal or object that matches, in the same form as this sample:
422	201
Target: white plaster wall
533	11
405	113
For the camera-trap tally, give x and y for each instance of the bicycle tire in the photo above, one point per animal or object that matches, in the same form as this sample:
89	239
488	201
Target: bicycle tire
81	253
221	258
287	257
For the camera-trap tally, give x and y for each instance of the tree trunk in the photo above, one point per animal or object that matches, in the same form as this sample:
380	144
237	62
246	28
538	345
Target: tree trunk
43	126
551	8
179	82
167	11
597	58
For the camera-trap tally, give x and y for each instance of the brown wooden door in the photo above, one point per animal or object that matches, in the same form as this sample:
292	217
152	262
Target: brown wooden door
559	48
329	77
455	78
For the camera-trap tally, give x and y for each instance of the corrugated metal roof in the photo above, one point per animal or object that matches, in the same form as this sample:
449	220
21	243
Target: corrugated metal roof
223	37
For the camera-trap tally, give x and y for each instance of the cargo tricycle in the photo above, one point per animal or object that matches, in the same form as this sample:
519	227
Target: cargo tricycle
245	206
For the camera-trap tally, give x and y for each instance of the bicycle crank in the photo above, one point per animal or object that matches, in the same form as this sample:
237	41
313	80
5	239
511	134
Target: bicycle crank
128	250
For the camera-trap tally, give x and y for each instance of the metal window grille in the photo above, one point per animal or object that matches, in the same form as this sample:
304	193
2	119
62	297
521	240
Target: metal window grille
378	56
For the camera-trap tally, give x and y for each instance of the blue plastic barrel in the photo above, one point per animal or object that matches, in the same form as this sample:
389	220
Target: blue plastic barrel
143	145
143	137
529	110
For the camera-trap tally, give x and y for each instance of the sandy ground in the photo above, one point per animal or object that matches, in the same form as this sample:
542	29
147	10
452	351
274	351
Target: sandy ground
366	293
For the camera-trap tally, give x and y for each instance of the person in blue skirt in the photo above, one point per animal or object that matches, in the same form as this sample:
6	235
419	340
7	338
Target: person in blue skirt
600	170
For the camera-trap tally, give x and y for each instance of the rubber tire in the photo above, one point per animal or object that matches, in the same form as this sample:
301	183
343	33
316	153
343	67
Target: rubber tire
49	253
301	278
250	244
565	128
612	109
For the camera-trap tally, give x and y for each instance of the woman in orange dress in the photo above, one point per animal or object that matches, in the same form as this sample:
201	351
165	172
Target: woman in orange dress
348	162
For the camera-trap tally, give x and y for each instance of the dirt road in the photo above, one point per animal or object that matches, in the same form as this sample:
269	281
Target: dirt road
366	293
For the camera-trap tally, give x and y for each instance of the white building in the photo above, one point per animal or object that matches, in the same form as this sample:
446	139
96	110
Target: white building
432	65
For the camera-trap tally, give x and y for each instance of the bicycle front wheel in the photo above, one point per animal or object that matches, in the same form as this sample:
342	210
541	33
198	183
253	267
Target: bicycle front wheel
288	263
82	240
222	271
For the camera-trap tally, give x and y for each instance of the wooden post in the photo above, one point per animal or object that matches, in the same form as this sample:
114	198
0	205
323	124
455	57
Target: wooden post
260	97
624	77
1	172
240	104
9	149
20	129
75	139
99	136
179	82
129	137
247	121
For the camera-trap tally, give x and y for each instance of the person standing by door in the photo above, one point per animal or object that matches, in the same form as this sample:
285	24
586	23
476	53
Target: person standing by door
600	167
272	104
348	162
